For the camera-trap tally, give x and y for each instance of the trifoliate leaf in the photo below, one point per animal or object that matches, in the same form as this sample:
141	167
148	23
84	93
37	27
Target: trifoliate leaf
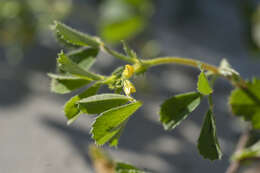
100	103
67	65
175	109
73	37
246	103
208	143
203	85
109	123
83	57
71	108
63	84
126	168
248	153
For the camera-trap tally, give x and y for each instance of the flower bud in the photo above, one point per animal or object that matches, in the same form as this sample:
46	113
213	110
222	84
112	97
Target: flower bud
128	71
129	88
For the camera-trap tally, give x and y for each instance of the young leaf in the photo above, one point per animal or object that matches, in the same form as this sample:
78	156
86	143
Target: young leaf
248	153
126	168
63	84
129	52
175	109
84	57
109	123
208	143
226	69
246	103
67	65
72	37
71	108
100	103
203	85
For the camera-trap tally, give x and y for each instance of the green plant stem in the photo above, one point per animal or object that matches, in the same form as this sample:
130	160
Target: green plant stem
192	63
182	61
235	165
240	83
117	54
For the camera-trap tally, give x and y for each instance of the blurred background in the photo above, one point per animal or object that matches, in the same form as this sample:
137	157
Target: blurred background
33	130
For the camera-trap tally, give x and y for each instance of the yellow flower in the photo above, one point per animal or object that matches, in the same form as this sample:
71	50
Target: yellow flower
128	71
128	88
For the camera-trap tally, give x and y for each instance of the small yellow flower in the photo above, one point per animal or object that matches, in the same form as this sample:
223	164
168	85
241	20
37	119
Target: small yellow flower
129	88
128	71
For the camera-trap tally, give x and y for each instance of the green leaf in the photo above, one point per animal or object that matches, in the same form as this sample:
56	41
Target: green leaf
248	153
67	65
109	123
100	103
208	143
63	84
203	85
71	108
175	109
129	52
126	168
123	29
73	37
246	103
84	57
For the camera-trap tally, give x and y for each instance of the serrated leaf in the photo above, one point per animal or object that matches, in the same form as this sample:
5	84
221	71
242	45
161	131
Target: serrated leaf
67	65
73	37
246	103
208	144
99	103
248	153
83	57
203	85
63	84
71	108
126	168
129	52
175	109
109	123
113	142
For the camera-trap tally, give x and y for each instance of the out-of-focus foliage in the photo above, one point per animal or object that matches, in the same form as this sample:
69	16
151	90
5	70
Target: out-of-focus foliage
251	14
246	103
250	152
103	163
23	21
123	19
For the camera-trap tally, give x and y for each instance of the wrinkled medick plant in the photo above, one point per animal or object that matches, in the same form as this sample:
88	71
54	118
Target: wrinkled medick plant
115	108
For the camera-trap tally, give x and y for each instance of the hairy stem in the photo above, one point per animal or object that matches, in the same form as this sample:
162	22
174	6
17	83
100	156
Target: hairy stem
182	61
